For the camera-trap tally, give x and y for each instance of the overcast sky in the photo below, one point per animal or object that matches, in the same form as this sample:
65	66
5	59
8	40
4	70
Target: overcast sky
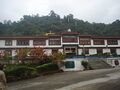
105	11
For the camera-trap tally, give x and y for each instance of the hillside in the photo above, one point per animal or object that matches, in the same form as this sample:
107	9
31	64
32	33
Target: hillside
36	25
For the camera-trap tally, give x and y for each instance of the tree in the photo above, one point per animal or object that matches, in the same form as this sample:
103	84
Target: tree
58	58
36	25
53	14
22	54
7	56
37	54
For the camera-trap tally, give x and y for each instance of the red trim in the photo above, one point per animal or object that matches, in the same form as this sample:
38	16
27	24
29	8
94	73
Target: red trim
104	37
23	37
60	35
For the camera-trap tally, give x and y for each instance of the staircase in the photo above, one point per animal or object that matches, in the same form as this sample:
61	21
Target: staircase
97	63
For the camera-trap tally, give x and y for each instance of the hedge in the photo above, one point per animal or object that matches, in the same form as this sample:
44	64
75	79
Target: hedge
47	67
20	72
25	71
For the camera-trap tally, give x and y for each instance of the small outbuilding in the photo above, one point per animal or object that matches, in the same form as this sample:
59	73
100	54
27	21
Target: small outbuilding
114	61
73	64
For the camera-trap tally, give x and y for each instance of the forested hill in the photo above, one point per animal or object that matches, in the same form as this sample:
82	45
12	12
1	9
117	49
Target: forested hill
36	25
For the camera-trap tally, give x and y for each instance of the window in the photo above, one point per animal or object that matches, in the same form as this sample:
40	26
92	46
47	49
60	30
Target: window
85	41
73	50
8	42
67	49
8	52
67	39
113	50
69	64
112	42
39	42
54	51
54	41
85	51
70	50
99	42
99	50
22	42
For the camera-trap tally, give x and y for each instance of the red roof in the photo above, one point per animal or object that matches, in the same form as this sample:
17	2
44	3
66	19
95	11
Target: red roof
56	35
105	37
23	37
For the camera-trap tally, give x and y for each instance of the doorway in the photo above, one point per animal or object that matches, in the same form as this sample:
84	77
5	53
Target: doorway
70	50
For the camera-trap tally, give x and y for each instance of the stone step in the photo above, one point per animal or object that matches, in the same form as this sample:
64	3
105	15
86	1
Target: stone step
98	64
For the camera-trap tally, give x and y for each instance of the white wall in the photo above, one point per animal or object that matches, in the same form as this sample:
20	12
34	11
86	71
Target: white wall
60	50
2	43
14	53
91	42
77	63
118	51
118	42
92	51
111	61
48	51
31	43
14	43
106	50
79	51
105	42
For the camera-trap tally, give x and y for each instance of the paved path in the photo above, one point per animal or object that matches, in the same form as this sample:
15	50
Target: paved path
104	79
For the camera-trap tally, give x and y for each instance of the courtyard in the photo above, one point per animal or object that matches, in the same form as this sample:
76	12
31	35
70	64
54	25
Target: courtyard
102	79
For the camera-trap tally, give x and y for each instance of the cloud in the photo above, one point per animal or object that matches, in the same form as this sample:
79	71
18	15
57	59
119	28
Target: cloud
104	11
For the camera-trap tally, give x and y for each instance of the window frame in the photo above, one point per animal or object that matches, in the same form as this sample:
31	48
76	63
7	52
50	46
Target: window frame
8	42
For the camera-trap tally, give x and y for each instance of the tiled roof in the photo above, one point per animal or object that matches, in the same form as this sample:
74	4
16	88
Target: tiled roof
23	37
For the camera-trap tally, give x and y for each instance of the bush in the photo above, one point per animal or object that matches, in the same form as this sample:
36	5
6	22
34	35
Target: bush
47	67
85	64
21	72
25	71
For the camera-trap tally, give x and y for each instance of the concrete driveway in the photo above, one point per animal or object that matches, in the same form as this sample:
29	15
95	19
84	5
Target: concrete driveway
103	79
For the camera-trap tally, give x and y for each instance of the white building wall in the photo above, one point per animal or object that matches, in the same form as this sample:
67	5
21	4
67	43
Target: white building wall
118	42
79	51
105	42
92	42
14	53
31	43
106	50
47	43
60	50
98	46
111	61
118	51
2	43
77	64
14	42
92	51
48	51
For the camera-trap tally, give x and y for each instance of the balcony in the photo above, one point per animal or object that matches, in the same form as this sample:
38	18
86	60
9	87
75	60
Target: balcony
70	40
54	43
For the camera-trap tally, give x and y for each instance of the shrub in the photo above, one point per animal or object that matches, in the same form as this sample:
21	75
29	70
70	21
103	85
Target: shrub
25	71
85	64
47	67
21	72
